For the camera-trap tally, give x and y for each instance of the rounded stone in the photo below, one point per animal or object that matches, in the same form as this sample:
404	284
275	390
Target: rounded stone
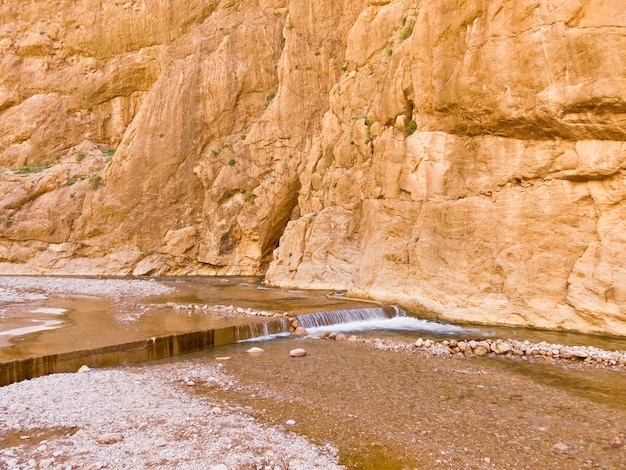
298	352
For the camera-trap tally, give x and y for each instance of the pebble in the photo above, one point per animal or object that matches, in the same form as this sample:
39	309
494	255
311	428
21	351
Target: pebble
84	369
290	422
300	331
219	467
298	352
616	442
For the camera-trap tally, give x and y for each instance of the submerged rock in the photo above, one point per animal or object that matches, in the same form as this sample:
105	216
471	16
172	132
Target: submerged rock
298	352
255	350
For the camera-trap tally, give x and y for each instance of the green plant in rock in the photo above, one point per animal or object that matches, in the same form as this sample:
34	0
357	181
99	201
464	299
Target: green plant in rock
270	97
8	223
24	170
248	196
80	156
109	153
95	182
231	162
410	127
407	30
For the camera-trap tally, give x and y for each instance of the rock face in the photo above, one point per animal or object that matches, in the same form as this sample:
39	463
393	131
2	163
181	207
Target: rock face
465	158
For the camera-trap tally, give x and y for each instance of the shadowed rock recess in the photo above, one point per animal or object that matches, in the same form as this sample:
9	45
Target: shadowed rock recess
467	158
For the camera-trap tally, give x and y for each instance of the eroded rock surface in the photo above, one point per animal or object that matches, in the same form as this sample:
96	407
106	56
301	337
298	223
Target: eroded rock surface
464	158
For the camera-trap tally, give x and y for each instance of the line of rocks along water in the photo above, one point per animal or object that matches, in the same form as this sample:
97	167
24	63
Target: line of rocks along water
510	348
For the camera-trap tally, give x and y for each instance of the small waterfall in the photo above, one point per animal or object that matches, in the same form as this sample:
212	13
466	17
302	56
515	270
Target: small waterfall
337	317
261	330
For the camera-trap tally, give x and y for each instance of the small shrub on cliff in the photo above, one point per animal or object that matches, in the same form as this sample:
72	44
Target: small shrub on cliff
270	97
109	153
248	196
410	127
24	170
8	223
406	33
231	162
95	182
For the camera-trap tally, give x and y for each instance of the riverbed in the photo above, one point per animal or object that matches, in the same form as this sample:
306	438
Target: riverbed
377	403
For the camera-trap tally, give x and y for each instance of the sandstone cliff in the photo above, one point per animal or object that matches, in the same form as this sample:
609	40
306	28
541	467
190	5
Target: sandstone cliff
466	158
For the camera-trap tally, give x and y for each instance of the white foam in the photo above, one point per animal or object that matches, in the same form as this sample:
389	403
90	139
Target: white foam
393	324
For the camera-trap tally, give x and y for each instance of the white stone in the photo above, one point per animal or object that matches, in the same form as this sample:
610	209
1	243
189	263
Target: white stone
84	369
298	352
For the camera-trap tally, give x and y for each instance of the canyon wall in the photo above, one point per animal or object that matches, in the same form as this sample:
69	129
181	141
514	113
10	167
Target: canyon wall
465	158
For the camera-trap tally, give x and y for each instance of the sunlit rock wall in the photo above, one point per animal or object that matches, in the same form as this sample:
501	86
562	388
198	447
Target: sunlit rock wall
471	163
462	157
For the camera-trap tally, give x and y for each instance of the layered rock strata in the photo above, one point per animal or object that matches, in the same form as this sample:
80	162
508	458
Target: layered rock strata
463	158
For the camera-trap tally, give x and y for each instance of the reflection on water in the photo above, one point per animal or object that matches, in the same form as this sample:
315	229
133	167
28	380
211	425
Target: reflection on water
47	315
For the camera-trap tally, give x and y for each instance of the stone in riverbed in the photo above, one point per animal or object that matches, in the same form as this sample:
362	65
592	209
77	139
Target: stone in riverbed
480	350
501	348
110	438
255	350
340	337
83	369
298	352
300	331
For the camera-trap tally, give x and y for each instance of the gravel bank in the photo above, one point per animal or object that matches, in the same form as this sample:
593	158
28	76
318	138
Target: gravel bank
142	417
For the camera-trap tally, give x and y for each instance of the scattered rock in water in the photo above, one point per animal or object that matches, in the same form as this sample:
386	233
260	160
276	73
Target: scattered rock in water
255	350
110	438
351	339
84	369
298	352
222	358
560	447
419	343
216	410
616	442
290	422
299	331
340	337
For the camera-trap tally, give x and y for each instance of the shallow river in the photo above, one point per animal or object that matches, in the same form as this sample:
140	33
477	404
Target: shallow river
381	409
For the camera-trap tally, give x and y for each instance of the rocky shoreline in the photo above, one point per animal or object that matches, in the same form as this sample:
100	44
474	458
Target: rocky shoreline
509	348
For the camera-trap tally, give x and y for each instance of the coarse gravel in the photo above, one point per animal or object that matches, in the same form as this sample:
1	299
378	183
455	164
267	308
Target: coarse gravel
142	417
